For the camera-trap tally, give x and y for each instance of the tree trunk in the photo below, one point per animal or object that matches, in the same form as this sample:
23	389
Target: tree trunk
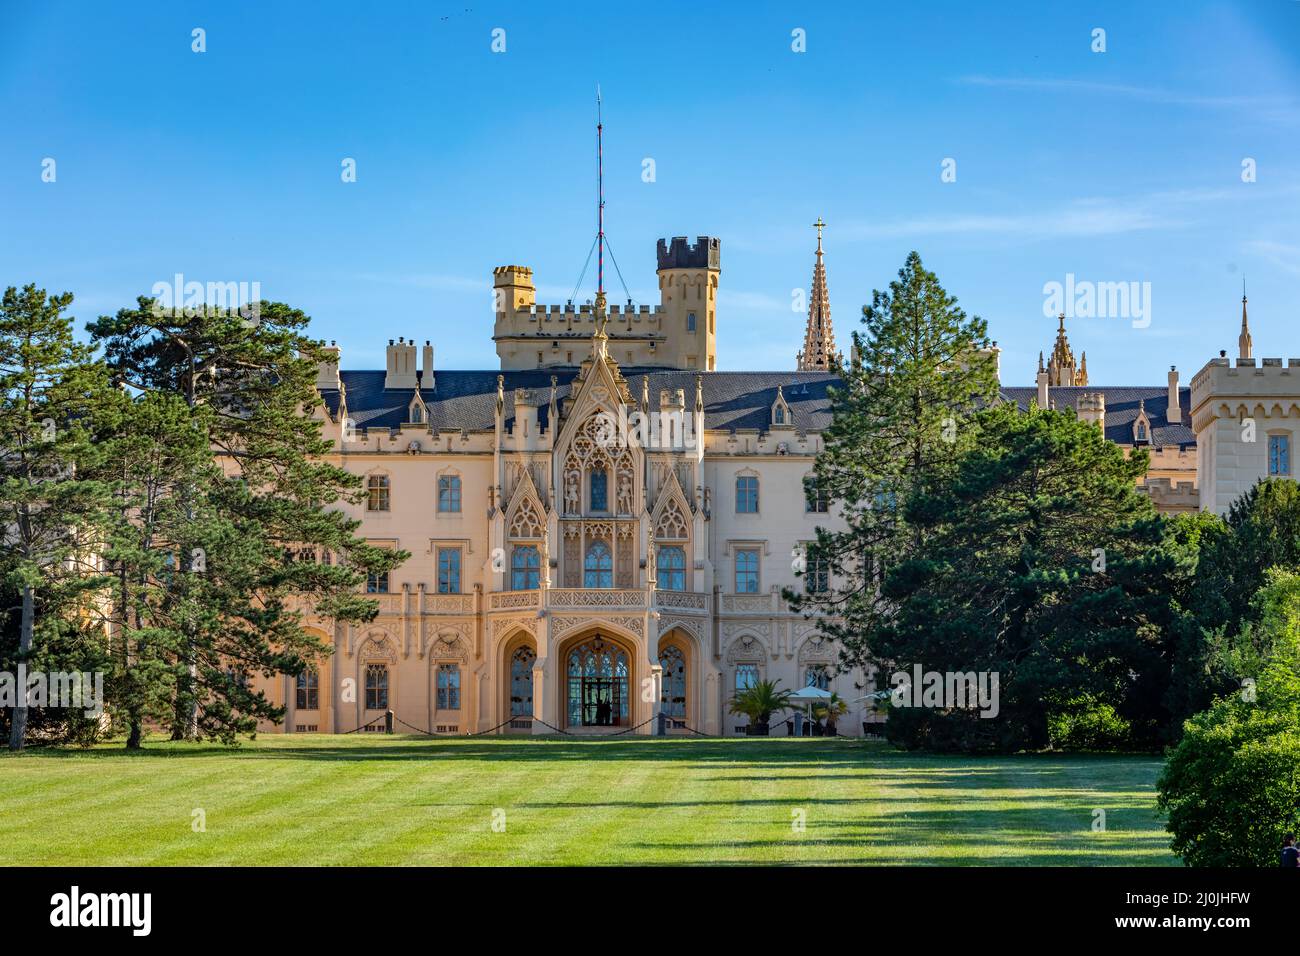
19	729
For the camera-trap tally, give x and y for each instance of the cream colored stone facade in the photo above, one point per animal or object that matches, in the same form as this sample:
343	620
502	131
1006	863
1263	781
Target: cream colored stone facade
557	565
541	467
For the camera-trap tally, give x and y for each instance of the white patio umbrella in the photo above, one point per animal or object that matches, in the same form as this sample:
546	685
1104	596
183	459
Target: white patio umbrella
810	695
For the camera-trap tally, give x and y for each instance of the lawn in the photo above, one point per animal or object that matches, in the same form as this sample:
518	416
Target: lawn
309	800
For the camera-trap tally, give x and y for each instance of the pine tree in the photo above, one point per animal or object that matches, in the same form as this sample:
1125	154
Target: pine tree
233	603
901	417
50	389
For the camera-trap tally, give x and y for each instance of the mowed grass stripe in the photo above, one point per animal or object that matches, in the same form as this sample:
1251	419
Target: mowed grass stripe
324	800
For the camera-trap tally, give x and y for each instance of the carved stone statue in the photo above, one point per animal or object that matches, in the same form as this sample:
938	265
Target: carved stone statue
651	564
624	493
571	497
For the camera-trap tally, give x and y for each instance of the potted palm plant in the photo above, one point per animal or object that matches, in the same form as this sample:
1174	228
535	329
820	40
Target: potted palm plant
832	710
758	703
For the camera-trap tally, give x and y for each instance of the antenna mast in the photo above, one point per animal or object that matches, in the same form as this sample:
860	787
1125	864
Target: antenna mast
600	205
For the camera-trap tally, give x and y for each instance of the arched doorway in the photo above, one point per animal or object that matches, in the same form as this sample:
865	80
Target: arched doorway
597	679
516	657
675	689
521	662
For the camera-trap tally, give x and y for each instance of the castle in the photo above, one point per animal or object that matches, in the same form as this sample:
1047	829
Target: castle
600	530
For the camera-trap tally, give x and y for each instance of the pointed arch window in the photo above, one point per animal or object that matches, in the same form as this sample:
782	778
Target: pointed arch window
525	568
672	568
308	690
376	687
598	568
448	687
521	682
599	490
673	696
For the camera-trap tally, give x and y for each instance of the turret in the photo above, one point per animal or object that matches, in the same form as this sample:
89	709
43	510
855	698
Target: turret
512	288
688	293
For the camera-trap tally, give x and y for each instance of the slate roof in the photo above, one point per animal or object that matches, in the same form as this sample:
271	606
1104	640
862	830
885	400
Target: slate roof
1122	410
466	400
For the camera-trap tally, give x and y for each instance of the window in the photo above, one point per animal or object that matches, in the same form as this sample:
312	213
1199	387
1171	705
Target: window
448	687
690	321
377	497
778	416
599	490
1279	454
817	675
816	501
673	696
598	570
816	575
525	568
672	568
449	570
746	676
449	493
521	682
376	687
747	571
747	495
309	690
377	583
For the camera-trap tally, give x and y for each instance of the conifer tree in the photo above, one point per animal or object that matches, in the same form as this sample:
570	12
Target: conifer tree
901	417
50	388
1044	564
232	604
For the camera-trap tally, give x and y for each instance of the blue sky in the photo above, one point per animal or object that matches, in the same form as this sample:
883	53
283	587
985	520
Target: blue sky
1122	166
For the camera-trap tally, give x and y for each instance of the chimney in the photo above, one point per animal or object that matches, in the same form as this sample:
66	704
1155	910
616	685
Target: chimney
1175	414
1042	390
327	372
401	365
426	377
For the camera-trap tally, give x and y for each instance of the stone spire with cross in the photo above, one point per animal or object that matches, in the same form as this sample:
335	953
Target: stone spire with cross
818	353
1244	343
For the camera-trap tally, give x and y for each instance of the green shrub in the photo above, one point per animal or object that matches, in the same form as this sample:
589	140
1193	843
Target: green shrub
1231	788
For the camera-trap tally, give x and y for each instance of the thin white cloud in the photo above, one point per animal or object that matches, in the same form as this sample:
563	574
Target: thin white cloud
1086	217
1280	254
751	301
443	283
1265	107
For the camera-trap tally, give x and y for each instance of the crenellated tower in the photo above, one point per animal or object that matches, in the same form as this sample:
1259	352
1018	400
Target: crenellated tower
818	353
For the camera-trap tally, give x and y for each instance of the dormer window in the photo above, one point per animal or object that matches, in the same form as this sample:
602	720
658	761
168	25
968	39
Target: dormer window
780	410
416	413
1142	425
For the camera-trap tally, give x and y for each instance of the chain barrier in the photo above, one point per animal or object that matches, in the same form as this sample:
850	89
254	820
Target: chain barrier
363	726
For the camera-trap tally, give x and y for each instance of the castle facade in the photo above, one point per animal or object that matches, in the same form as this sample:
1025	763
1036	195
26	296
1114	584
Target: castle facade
600	530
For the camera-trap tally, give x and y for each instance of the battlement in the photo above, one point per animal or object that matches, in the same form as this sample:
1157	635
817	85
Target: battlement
1171	497
704	253
1245	377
